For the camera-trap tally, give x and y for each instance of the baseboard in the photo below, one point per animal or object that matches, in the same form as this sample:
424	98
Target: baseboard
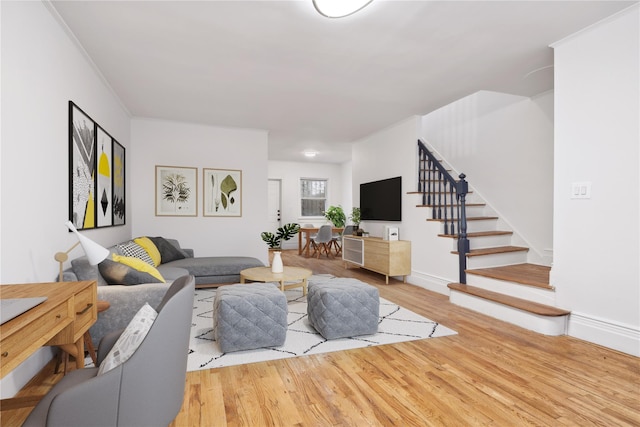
429	282
624	338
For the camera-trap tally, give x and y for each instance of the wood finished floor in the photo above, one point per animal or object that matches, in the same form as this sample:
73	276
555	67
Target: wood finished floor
490	374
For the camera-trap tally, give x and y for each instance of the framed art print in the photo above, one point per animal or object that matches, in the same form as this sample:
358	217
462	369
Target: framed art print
118	179
176	191
82	162
222	191
96	174
104	184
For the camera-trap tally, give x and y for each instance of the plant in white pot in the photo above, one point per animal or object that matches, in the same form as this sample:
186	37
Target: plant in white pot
284	233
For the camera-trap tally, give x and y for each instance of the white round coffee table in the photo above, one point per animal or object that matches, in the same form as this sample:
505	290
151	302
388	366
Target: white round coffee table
264	274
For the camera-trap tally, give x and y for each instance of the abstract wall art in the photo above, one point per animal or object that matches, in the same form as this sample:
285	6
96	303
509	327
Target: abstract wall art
96	174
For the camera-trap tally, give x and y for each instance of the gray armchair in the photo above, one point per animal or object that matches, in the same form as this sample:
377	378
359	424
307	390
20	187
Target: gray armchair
146	390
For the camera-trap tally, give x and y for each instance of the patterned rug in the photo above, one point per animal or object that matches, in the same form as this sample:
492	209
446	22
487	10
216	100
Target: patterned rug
397	324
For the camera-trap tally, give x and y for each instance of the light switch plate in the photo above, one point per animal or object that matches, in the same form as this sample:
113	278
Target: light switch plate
581	190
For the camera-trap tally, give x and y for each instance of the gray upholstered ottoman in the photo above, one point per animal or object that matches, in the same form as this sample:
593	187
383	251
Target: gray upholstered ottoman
249	316
343	310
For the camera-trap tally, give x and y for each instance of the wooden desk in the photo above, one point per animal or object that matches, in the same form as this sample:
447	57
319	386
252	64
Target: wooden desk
307	232
62	320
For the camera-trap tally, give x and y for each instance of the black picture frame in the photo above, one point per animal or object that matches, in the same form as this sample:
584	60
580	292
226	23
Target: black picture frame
82	164
96	174
119	181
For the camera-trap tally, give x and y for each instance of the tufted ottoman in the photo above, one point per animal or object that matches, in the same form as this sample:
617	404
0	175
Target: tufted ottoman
343	310
249	316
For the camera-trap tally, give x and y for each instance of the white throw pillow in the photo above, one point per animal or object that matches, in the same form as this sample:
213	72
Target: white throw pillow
130	339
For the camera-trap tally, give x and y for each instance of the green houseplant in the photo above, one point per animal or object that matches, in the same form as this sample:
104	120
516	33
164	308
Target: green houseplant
355	218
284	233
336	215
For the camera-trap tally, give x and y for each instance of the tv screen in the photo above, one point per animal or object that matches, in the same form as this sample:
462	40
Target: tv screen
381	200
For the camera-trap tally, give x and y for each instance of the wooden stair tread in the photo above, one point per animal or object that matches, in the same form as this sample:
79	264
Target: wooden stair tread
473	218
524	274
519	303
478	234
493	251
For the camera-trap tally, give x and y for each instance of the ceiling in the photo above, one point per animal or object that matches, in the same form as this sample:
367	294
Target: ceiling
313	82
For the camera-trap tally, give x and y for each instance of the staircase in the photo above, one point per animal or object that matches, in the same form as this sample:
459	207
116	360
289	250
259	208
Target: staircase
495	278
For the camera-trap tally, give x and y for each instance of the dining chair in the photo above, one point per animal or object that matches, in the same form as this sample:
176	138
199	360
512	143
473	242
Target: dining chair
323	240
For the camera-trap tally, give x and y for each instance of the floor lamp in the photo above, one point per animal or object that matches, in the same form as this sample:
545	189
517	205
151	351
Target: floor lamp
95	253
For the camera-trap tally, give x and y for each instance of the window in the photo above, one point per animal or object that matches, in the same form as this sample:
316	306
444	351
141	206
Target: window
313	197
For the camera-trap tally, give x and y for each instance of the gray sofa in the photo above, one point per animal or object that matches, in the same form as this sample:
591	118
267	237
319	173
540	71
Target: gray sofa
126	300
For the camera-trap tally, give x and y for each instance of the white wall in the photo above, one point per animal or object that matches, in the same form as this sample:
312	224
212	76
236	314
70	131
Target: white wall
158	142
504	144
596	241
393	152
290	173
42	69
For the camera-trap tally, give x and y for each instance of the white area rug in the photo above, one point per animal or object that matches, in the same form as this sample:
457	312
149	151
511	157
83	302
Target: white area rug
397	324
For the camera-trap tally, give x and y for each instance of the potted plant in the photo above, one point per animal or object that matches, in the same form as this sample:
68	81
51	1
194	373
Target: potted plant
284	233
355	218
336	215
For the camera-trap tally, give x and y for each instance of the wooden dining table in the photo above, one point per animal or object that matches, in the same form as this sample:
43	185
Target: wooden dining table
308	231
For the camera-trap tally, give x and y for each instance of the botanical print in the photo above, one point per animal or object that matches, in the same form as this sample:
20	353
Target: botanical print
104	189
82	168
222	192
176	191
118	184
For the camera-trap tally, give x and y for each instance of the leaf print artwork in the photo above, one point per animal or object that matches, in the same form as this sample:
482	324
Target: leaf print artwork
176	191
222	192
227	187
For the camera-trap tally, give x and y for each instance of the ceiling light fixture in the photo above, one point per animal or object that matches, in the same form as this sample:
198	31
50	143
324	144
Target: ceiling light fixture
339	8
310	153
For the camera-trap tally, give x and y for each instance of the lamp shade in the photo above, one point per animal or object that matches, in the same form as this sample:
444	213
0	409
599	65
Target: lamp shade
95	253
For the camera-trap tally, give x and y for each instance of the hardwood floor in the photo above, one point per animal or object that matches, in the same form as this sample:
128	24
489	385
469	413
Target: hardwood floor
491	373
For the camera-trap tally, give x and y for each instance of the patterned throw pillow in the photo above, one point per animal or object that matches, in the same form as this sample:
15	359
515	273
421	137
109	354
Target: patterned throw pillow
132	249
130	339
150	248
121	270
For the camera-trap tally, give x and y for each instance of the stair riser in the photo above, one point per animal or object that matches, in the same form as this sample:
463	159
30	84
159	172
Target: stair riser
547	325
474	226
496	260
530	293
471	212
486	242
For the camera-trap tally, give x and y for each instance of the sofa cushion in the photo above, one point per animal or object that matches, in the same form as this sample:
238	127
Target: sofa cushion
126	271
216	266
171	273
168	251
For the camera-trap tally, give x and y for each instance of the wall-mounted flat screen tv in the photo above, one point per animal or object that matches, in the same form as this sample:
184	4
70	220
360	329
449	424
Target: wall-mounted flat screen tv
381	200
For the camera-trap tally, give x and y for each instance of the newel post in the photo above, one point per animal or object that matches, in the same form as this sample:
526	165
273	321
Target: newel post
462	188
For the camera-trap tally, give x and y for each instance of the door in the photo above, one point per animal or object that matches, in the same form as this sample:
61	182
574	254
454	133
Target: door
274	204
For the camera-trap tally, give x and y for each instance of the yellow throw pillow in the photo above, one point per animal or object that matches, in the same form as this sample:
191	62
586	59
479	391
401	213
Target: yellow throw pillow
151	249
138	264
